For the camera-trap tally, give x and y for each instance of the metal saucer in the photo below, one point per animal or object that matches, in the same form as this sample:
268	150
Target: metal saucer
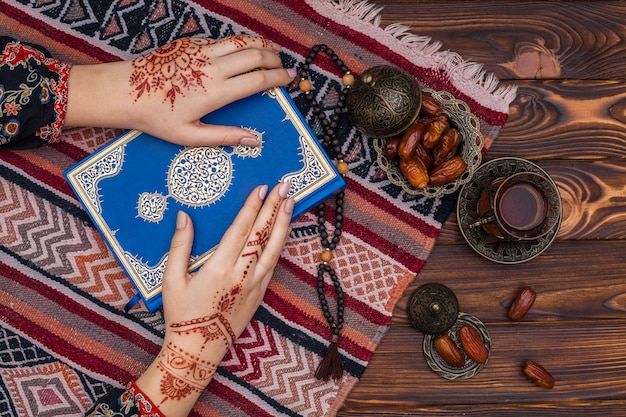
440	367
488	246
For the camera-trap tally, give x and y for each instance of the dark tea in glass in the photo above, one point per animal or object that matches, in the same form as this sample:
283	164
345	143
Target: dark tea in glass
521	206
517	207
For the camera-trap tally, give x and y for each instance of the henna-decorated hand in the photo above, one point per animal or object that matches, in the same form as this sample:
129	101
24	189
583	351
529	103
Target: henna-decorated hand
167	91
206	310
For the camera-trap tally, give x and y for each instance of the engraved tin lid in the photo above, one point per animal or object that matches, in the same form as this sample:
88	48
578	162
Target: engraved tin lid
384	101
433	308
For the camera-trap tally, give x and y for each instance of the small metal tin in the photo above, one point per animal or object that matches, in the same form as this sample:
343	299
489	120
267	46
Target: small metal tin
433	308
384	101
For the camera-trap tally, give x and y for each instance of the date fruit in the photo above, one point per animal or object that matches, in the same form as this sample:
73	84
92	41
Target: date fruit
447	147
433	138
538	374
414	171
522	303
430	107
425	156
391	147
410	140
448	171
473	344
434	131
449	351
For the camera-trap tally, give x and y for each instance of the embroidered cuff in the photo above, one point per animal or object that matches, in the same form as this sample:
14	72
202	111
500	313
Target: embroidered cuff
146	407
52	131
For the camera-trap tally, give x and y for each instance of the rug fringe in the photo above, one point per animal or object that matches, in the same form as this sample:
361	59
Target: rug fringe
468	76
363	10
424	44
453	63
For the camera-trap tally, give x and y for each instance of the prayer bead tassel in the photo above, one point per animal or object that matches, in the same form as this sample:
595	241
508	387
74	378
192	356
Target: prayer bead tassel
331	365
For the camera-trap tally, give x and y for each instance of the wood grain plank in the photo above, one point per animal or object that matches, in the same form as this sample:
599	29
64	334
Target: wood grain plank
571	279
593	195
567	60
524	40
570	119
576	326
562	349
570	409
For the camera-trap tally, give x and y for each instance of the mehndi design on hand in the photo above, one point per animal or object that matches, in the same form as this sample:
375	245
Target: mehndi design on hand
172	68
185	372
263	235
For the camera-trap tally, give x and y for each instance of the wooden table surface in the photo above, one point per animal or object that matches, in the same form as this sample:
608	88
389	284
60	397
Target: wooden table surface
569	62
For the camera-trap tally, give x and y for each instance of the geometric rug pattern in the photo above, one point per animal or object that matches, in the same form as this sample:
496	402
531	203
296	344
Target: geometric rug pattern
65	338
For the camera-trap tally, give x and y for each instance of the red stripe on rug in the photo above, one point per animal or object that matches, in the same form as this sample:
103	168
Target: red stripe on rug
387	206
266	29
290	295
60	346
20	159
298	316
317	325
364	310
80	45
69	304
398	254
70	150
235	398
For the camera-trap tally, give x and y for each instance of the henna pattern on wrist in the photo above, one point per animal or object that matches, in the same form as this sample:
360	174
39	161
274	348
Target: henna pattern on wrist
184	373
172	68
214	327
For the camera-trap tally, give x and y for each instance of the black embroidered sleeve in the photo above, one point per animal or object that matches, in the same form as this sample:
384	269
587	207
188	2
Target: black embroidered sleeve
33	95
129	402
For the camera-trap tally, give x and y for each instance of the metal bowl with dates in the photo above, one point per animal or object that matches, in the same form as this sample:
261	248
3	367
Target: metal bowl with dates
467	124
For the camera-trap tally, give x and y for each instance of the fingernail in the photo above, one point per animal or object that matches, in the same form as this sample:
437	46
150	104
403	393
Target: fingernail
292	72
288	207
263	192
181	220
283	189
249	141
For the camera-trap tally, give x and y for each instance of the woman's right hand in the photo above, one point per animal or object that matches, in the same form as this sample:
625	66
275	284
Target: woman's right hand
207	310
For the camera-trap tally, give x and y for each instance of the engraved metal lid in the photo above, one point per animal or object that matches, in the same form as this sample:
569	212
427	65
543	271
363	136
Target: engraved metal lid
384	101
433	308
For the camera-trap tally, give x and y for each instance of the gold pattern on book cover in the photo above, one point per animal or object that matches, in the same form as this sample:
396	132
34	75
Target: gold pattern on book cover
196	177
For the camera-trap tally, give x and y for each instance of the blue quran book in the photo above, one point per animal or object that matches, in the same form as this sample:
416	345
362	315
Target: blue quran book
134	186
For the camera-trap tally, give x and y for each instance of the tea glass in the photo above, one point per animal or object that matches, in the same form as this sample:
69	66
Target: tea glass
517	207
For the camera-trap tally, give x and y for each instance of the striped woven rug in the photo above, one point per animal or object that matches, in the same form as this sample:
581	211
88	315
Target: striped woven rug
64	338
